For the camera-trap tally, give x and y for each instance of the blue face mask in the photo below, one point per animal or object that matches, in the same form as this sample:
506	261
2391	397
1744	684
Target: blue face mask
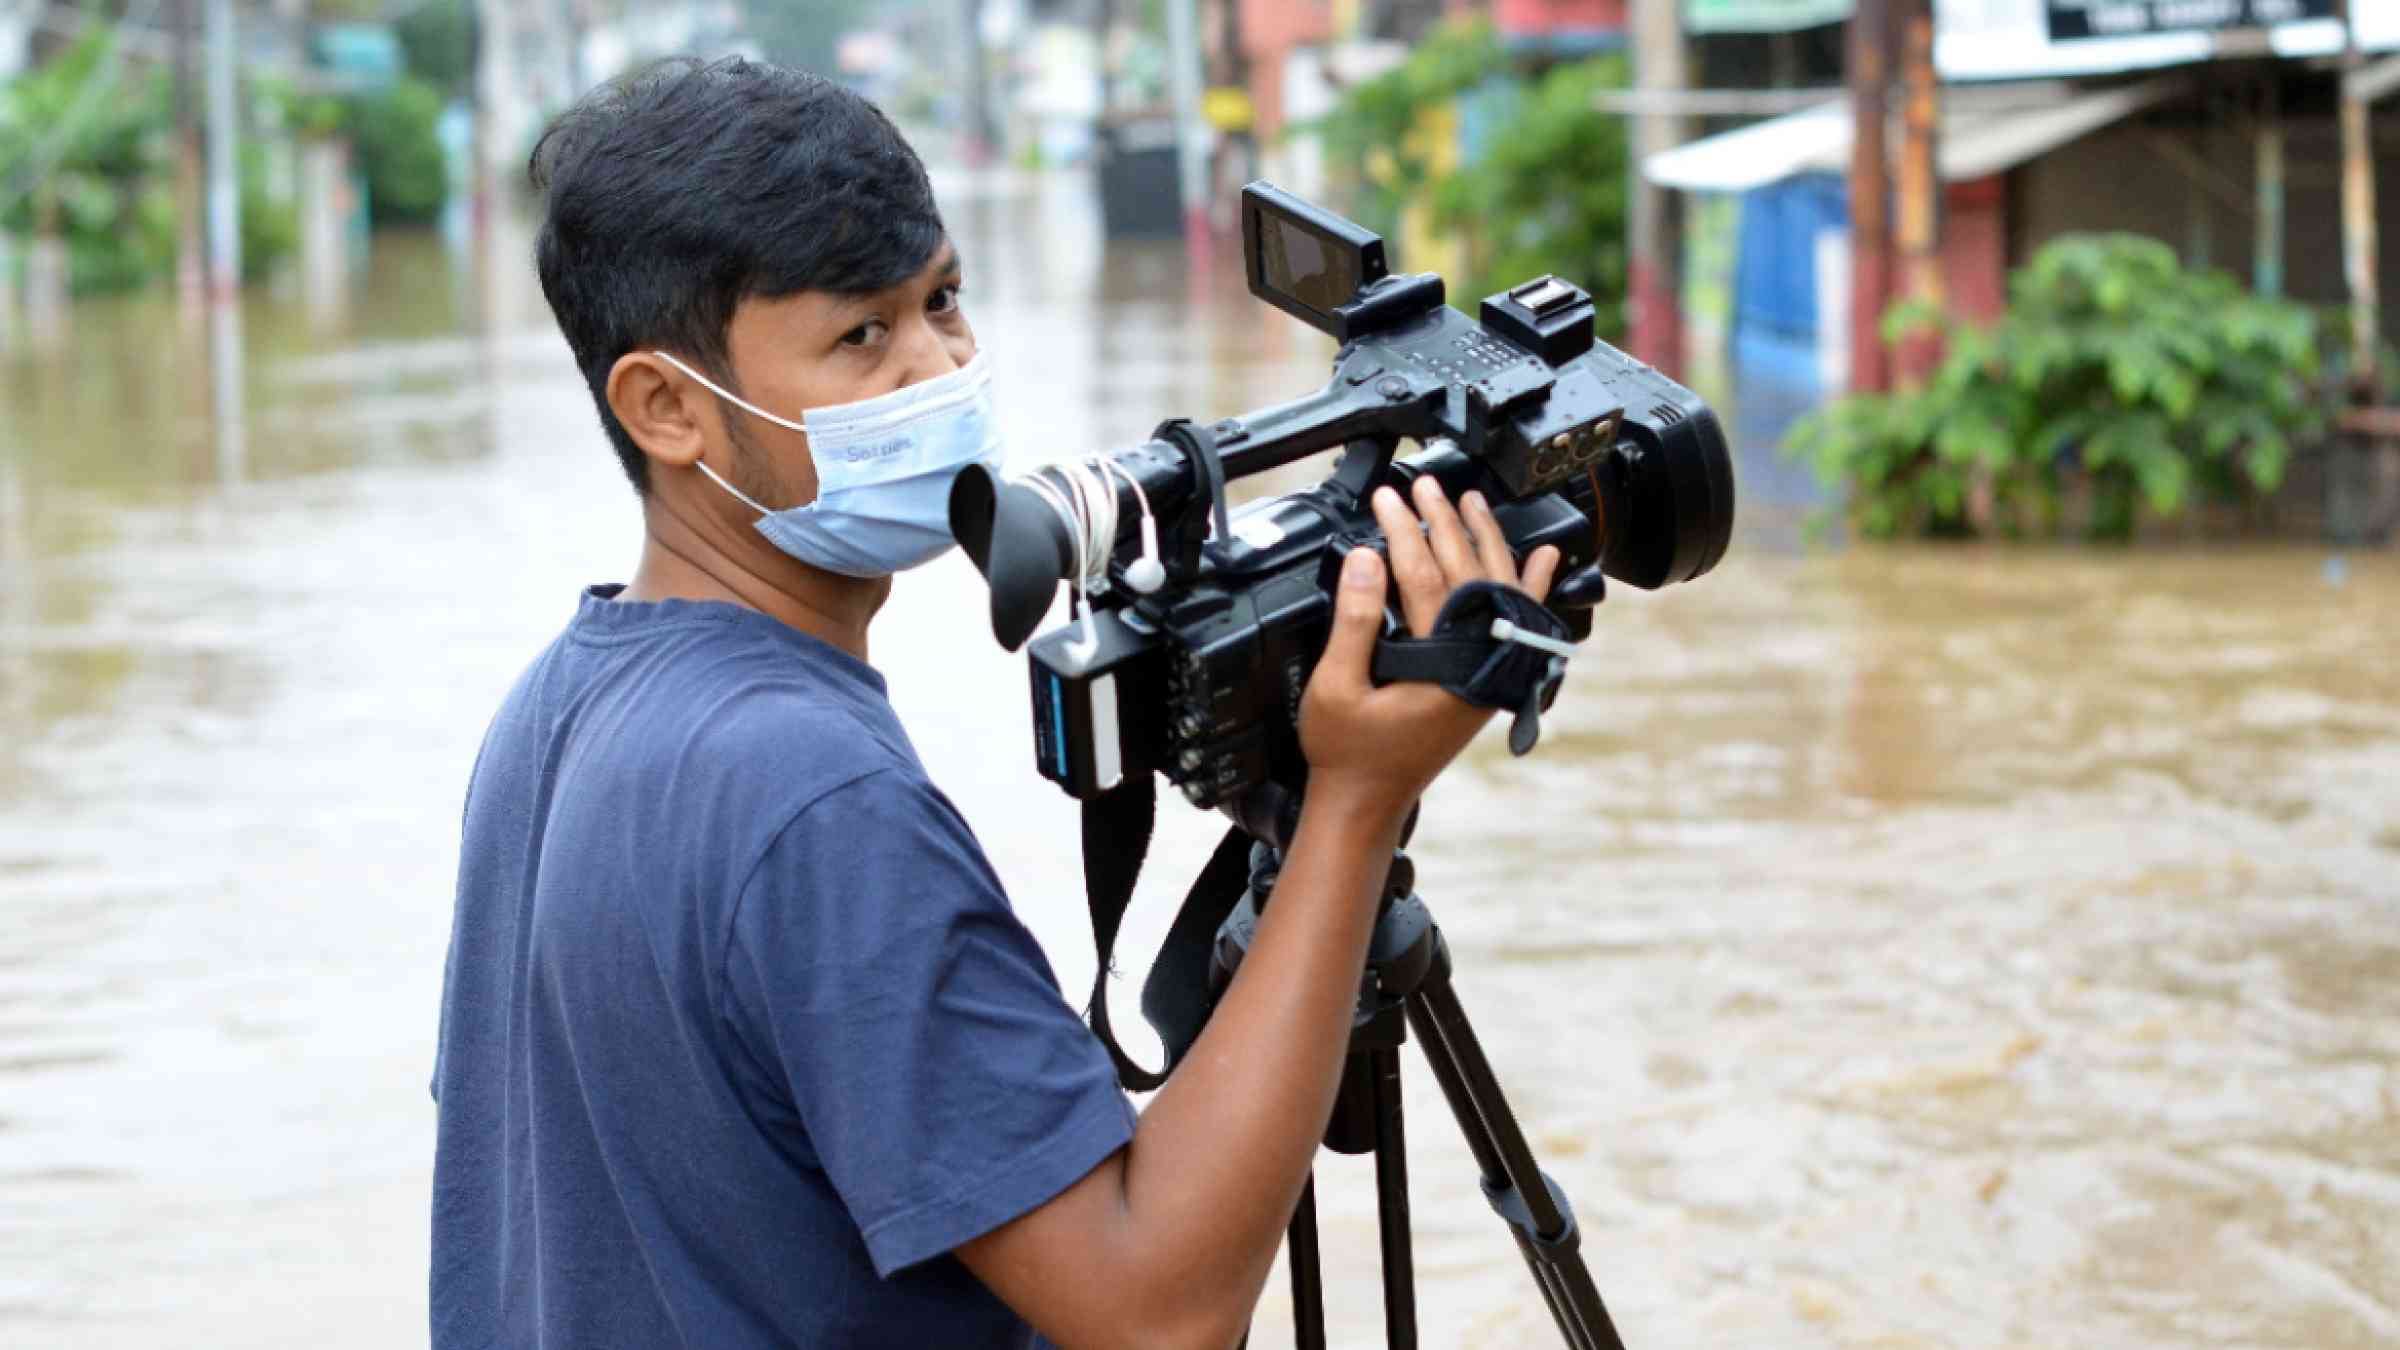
884	467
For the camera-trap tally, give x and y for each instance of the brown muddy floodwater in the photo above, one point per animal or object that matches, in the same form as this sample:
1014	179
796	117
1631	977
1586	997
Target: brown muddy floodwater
1885	948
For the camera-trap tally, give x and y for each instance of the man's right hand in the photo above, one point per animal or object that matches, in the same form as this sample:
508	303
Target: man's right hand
1384	746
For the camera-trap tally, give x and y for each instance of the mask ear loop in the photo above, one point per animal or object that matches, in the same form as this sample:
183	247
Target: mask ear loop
735	399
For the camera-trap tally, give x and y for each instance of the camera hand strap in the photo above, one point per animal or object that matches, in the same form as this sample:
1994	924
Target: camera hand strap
1492	645
1176	998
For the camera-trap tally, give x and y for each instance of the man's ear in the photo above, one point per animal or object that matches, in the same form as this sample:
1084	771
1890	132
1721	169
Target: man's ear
659	406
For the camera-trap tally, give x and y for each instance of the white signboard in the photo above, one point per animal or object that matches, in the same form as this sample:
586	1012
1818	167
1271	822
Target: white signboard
2011	39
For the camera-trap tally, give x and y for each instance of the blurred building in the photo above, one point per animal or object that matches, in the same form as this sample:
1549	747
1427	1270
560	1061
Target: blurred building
2057	116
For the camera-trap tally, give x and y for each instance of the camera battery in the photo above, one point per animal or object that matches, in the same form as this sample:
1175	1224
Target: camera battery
1096	705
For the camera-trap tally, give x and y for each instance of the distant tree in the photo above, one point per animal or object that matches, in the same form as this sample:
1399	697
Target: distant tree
1543	192
83	157
807	37
438	37
397	132
86	158
1547	192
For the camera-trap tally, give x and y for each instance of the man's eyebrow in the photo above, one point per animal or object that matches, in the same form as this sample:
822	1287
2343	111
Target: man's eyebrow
946	263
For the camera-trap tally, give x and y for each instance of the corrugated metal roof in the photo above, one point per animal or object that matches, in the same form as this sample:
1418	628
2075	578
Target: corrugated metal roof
1984	131
1756	155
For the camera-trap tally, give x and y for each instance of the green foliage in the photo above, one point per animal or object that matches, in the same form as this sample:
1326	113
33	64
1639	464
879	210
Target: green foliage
85	155
395	138
1374	127
438	38
270	228
2336	351
1545	191
395	131
2115	371
304	114
1547	194
804	36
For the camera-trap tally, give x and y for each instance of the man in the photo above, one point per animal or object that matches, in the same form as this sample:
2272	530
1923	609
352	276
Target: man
741	1044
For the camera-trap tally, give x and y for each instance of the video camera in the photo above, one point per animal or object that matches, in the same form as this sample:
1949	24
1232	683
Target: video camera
1199	625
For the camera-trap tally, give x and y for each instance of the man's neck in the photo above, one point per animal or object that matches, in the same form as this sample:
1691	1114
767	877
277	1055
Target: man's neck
677	564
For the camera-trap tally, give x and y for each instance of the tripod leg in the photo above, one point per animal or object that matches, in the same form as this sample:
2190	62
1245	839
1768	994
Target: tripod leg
1533	1206
1308	1280
1391	1194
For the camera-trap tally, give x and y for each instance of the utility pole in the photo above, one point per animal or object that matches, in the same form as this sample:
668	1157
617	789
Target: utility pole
494	128
1869	75
224	178
191	255
1656	280
980	132
224	244
1191	151
2359	243
1920	224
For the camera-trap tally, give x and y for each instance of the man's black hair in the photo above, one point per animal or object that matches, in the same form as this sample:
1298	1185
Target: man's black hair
682	190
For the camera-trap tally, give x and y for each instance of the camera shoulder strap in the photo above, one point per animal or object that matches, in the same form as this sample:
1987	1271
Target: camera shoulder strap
1176	998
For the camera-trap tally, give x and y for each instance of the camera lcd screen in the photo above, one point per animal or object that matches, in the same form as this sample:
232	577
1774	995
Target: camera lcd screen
1306	266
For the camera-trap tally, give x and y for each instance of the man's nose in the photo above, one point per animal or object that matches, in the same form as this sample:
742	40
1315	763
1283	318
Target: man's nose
930	355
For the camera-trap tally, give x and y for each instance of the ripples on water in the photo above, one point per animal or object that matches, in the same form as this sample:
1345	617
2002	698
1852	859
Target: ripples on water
1898	947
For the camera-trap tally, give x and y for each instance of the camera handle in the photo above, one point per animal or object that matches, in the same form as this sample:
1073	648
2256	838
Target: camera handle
1407	985
1204	510
1363	465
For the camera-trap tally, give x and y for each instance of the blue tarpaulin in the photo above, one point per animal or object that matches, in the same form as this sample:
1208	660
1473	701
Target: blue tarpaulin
1775	279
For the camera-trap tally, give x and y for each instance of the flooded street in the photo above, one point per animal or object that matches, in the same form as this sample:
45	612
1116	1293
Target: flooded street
1890	947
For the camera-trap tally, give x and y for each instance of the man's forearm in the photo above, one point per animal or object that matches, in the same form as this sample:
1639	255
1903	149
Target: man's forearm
1223	1150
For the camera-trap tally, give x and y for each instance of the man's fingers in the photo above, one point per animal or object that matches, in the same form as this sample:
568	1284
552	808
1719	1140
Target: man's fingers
1540	570
1491	546
1357	622
1422	589
1448	537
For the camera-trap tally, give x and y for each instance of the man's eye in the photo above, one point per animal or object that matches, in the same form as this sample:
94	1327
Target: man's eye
865	335
943	300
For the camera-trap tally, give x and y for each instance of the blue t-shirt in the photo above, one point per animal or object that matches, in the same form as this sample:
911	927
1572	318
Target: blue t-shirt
739	1035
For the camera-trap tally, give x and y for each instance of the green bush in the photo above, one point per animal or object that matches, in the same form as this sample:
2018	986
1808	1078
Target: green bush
438	38
86	155
1547	193
2115	372
1372	131
396	134
1546	189
87	146
270	229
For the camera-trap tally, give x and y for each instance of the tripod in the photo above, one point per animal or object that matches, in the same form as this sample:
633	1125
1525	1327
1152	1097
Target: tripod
1407	984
